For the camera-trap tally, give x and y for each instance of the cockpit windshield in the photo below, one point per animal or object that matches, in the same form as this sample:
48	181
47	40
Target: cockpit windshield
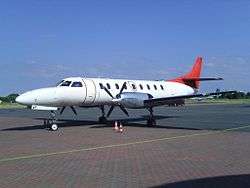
66	83
76	84
70	83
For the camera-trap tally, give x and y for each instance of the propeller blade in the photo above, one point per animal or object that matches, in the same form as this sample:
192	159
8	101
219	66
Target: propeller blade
74	110
110	111
62	110
123	87
108	92
124	110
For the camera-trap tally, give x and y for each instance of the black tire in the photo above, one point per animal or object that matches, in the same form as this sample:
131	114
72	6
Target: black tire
151	122
102	120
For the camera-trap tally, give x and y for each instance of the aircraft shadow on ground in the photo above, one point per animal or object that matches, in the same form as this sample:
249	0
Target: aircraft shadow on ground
234	181
63	123
246	106
132	122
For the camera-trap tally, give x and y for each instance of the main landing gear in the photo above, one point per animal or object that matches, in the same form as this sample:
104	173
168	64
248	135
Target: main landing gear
51	122
151	120
102	119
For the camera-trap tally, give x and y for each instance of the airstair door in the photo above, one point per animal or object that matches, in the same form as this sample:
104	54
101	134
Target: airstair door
90	91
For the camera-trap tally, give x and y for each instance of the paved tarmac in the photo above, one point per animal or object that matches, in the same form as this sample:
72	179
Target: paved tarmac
193	146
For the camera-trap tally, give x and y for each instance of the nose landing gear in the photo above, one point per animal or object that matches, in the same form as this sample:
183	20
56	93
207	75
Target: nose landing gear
54	127
51	122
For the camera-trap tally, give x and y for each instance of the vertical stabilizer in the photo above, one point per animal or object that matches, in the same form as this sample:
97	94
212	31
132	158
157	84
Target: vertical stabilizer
192	78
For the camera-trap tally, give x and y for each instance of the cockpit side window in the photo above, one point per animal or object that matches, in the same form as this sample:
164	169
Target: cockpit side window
59	83
66	83
76	84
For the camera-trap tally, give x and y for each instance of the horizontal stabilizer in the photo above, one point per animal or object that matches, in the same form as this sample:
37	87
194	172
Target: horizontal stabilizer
201	79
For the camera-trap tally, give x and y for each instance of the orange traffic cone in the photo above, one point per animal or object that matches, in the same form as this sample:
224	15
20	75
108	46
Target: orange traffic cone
116	126
121	128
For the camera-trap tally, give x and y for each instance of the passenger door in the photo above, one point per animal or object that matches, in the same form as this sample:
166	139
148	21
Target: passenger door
90	91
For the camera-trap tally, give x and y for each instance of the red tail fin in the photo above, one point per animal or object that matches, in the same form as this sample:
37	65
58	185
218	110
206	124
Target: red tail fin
193	77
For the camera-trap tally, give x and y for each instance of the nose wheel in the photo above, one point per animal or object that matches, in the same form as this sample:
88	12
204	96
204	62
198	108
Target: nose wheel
54	127
50	123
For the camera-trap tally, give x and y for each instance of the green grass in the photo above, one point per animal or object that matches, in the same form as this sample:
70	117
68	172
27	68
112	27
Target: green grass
220	101
10	106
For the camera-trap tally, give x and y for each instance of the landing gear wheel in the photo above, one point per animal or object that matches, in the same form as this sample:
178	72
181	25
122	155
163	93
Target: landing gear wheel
54	127
151	122
102	119
45	122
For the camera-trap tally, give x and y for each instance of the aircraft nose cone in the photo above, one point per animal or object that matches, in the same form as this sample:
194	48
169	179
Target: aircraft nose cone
18	99
22	99
44	96
27	98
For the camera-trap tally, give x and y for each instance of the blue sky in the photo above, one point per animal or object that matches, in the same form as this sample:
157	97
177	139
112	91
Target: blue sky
42	42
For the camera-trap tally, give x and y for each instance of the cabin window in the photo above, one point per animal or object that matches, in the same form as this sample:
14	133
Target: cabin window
101	85
117	86
66	83
162	88
108	86
76	84
155	87
133	86
148	87
141	87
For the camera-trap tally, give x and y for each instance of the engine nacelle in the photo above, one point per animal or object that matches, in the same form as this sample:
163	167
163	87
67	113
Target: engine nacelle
133	100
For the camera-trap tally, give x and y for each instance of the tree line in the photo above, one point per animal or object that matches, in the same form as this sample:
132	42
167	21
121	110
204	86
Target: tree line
10	98
236	95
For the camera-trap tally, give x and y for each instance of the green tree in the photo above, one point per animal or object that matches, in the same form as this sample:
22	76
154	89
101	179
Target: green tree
248	95
10	98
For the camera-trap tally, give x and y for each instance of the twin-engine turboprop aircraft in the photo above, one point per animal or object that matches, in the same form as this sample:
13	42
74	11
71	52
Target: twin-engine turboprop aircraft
121	93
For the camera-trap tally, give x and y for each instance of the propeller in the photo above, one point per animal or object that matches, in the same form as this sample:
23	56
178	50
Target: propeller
123	87
110	111
117	96
72	108
62	110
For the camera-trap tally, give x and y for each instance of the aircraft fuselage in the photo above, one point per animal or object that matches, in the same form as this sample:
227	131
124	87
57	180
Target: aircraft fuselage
91	93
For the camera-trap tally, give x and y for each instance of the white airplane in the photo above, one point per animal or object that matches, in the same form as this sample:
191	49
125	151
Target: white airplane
121	93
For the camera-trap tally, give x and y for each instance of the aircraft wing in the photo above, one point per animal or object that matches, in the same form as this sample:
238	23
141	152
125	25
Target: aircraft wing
168	100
